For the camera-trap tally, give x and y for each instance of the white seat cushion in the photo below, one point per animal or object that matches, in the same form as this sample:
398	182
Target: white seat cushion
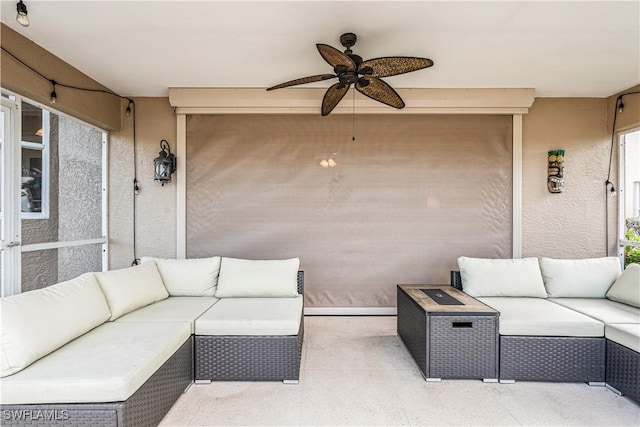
540	317
35	323
172	309
131	288
626	288
252	316
601	309
579	278
188	277
107	364
627	335
483	277
243	278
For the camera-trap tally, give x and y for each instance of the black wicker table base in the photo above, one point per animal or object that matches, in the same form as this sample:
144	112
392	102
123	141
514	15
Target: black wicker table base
451	343
146	407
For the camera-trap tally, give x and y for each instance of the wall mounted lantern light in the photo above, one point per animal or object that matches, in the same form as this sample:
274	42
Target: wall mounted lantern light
23	16
164	164
555	179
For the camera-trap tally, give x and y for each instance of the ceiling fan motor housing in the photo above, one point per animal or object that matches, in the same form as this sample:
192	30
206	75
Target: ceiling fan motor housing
348	40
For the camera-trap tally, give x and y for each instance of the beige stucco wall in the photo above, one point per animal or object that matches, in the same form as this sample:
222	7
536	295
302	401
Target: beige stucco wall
569	224
155	204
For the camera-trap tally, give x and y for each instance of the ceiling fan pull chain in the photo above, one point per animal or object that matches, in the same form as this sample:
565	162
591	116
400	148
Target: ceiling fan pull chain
353	116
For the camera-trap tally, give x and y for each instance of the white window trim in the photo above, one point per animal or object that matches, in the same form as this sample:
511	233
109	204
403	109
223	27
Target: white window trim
622	241
636	197
44	147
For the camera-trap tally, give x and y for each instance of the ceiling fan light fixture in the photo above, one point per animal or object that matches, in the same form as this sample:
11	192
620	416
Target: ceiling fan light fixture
23	15
365	76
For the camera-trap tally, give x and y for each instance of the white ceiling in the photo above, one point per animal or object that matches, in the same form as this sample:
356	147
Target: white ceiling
573	49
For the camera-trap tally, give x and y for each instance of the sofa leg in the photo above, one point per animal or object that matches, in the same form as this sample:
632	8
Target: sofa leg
489	380
202	381
507	381
290	382
188	387
597	383
613	389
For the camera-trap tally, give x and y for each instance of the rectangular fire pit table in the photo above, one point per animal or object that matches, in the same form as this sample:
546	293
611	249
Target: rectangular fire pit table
448	333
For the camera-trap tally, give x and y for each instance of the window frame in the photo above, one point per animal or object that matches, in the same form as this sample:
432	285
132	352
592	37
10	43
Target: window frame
622	241
44	147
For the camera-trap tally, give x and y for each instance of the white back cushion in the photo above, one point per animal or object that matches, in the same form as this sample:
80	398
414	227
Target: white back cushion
501	277
38	322
626	288
579	278
196	277
131	288
243	278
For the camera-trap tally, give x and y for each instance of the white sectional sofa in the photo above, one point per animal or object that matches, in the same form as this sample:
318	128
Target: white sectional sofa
562	320
117	348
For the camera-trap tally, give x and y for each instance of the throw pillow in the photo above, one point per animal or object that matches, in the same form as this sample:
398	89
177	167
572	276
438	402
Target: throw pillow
626	288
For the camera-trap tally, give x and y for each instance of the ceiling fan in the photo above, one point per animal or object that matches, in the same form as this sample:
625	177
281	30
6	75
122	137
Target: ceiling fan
350	69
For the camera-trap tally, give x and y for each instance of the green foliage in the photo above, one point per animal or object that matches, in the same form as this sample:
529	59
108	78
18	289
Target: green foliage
633	224
632	253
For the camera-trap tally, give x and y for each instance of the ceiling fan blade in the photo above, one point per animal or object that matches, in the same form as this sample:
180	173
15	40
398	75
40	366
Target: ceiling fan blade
334	57
394	65
303	80
379	91
333	95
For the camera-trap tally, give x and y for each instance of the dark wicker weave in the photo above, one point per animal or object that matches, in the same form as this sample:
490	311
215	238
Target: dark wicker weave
301	282
444	351
562	359
456	280
412	329
146	407
623	370
250	357
463	352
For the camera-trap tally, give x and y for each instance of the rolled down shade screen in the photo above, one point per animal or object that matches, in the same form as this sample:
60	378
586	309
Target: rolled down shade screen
396	206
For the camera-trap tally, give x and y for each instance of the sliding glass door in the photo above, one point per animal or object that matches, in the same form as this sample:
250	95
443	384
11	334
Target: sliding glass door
9	196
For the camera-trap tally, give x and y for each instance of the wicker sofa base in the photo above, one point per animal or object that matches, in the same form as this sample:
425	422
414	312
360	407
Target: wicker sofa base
623	370
561	359
248	357
146	407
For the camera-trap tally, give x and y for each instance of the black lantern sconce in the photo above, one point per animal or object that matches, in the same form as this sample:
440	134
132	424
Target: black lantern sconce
164	164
